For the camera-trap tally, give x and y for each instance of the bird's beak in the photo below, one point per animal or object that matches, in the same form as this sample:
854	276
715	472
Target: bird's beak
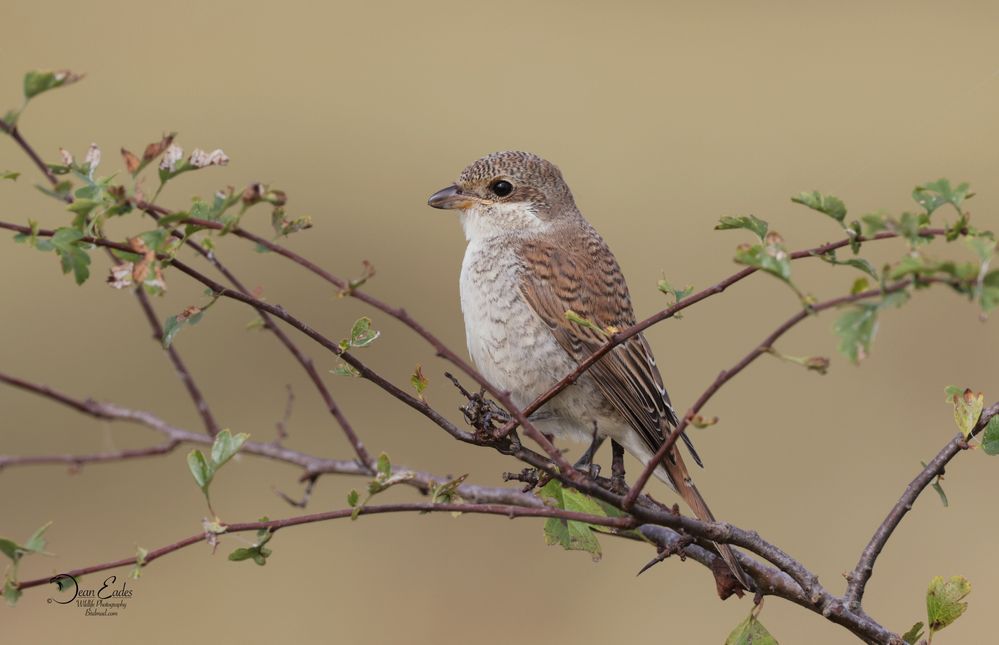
450	197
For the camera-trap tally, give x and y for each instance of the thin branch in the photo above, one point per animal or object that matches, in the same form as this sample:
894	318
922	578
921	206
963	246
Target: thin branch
861	574
15	134
312	466
509	511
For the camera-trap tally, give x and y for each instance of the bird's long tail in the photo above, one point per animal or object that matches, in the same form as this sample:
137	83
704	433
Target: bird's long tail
680	480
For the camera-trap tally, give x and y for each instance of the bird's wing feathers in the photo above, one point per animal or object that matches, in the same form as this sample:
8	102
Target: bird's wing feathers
555	281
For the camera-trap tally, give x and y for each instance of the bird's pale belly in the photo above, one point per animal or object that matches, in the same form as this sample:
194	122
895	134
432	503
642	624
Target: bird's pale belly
514	349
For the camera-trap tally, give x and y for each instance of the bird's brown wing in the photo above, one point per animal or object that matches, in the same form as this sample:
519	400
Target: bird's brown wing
580	274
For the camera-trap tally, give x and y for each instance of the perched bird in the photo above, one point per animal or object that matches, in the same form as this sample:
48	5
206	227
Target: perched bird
531	257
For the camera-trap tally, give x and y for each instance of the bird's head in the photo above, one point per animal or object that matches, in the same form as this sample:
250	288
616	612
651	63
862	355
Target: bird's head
507	192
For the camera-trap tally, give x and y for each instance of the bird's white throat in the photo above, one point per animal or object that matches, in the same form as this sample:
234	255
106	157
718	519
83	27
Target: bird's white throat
488	220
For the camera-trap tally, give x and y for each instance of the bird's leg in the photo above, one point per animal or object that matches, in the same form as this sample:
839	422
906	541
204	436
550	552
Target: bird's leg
585	462
618	484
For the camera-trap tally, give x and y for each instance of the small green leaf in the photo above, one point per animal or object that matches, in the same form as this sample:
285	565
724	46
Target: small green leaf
82	207
570	534
860	285
384	466
828	204
418	381
943	601
856	263
140	561
9	174
344	369
226	445
770	257
36	543
967	408
258	552
10	592
170	329
10	549
856	328
934	194
750	632
940	492
990	437
42	81
361	334
749	222
201	469
912	636
874	223
678	294
352	498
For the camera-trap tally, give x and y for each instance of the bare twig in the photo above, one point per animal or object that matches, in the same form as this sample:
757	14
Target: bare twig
420	507
860	575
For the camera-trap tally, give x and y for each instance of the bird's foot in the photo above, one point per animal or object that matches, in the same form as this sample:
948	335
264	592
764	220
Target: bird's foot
532	478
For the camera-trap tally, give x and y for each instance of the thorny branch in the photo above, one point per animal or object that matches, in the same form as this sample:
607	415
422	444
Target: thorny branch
790	579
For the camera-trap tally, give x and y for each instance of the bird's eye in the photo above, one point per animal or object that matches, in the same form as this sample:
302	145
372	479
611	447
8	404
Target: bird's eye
501	188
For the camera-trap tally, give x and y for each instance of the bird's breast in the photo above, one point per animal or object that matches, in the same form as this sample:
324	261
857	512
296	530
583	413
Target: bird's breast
507	341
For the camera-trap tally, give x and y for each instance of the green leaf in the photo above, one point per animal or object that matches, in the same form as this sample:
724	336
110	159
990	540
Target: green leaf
11	116
749	222
967	409
856	263
940	492
384	466
66	242
352	498
344	369
912	636
10	592
140	561
201	469
750	632
9	174
82	207
36	543
943	601
856	328
10	549
874	223
990	437
678	294
828	204
361	334
258	552
934	194
42	81
418	381
770	257
570	534
170	329
226	445
983	247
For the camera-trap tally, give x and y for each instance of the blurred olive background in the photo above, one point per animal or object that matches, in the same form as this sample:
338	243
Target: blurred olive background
663	117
